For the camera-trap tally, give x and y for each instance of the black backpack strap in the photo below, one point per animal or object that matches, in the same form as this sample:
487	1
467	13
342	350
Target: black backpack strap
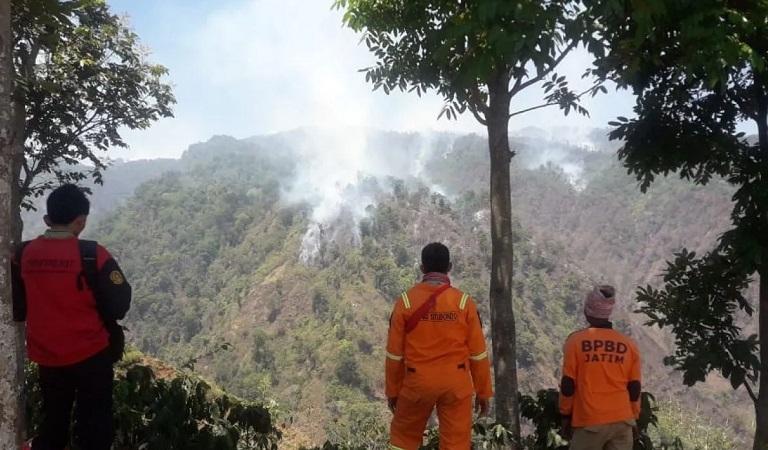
20	252
88	250
90	273
19	291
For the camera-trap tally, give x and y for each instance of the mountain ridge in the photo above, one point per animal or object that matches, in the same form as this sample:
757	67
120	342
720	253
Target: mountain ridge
213	245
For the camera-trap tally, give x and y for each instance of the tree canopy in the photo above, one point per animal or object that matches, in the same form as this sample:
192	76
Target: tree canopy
82	77
458	48
699	71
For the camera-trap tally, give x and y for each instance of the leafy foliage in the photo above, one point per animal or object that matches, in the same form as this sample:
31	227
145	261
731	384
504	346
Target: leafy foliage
181	412
699	69
460	48
689	106
680	427
81	78
699	302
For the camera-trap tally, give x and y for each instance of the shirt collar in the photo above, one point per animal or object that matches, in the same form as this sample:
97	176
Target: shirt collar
58	234
436	278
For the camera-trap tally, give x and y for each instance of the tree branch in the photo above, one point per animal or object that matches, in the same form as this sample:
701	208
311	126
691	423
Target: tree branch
750	391
533	108
29	59
744	105
82	129
477	105
478	117
519	86
29	175
518	81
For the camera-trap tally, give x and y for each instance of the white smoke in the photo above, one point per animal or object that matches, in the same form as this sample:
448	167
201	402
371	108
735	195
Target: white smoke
329	165
336	166
560	157
333	167
555	147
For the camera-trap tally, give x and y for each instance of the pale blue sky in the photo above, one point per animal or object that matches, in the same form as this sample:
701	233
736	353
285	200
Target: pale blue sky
248	67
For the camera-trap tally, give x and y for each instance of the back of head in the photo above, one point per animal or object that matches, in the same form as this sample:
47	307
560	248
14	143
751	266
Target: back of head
66	203
435	257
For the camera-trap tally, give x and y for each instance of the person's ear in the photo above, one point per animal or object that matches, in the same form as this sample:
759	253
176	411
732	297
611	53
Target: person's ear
47	220
80	222
423	270
450	266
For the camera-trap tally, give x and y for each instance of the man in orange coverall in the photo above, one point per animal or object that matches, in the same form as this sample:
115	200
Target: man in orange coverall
436	356
600	388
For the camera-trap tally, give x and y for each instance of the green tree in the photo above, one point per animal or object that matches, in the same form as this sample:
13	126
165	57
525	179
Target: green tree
81	77
700	69
10	338
479	56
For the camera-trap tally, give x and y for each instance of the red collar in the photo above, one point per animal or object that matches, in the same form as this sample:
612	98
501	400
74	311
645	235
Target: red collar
436	278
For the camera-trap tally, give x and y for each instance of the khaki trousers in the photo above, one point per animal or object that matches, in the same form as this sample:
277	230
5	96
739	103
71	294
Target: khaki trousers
612	436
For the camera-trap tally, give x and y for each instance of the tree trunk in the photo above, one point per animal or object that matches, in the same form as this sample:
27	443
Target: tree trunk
502	312
17	160
10	387
761	408
16	222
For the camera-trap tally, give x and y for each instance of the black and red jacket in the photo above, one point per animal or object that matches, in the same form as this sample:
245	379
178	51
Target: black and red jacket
64	319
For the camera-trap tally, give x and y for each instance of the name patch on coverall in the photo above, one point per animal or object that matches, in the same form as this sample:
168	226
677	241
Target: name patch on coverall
443	316
603	351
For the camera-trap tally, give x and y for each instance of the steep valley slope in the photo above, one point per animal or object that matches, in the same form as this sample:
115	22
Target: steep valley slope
239	277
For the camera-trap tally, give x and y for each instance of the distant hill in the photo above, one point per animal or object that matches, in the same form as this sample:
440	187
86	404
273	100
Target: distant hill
213	254
272	264
120	182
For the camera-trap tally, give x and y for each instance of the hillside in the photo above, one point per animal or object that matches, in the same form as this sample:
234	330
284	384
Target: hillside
212	252
615	234
271	268
121	180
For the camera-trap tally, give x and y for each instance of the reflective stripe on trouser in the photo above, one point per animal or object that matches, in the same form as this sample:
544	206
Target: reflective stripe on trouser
447	388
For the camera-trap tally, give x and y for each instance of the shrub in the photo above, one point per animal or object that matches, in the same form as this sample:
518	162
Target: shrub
181	412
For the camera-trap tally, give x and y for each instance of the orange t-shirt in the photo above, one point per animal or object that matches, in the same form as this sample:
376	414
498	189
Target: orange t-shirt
449	334
601	378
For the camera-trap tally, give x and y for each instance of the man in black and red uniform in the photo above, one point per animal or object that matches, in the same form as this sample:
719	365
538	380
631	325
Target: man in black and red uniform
71	302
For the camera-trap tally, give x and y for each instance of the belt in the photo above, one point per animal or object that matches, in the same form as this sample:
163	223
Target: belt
461	366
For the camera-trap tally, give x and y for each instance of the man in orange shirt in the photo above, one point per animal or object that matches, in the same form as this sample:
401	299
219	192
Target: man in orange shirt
600	388
436	357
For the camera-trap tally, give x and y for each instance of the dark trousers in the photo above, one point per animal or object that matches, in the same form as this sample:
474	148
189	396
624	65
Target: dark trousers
87	385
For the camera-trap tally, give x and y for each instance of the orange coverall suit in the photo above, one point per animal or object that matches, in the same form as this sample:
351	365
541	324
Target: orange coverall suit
441	362
601	380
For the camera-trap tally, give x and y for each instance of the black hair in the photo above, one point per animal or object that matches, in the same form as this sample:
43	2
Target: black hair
435	257
66	203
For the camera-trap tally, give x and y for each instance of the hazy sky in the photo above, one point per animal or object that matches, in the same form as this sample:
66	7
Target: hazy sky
248	67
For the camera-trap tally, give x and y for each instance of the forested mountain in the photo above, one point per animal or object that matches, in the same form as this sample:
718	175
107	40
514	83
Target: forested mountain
123	178
615	234
270	264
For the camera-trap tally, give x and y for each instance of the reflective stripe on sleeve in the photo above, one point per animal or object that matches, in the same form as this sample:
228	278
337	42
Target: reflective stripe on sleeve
479	357
463	302
394	357
394	447
406	301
